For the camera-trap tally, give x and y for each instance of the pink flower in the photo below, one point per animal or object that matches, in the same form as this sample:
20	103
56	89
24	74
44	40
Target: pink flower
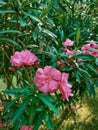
69	52
67	47
23	58
47	79
93	44
26	127
85	48
90	49
68	42
65	87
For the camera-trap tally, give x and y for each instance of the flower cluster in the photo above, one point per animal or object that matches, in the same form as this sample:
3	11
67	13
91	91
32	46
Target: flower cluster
68	47
90	49
49	79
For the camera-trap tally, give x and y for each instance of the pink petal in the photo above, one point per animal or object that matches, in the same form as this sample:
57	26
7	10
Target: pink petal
44	88
47	70
53	86
65	76
68	42
55	74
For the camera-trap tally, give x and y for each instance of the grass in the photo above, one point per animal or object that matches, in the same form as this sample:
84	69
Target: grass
86	117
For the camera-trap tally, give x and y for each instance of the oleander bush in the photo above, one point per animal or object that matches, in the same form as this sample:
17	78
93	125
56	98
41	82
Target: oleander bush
48	59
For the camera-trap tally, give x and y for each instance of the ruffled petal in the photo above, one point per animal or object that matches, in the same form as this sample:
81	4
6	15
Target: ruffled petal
44	88
55	74
47	70
53	86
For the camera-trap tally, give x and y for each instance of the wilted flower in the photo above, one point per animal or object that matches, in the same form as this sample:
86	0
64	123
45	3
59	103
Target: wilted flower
47	79
2	124
23	58
61	64
65	87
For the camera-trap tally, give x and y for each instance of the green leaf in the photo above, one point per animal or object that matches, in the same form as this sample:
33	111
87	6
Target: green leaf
49	6
92	68
19	3
2	3
19	92
19	111
77	36
31	113
9	31
9	105
84	72
96	61
85	57
77	76
33	17
49	123
39	121
48	32
22	21
10	41
7	11
47	102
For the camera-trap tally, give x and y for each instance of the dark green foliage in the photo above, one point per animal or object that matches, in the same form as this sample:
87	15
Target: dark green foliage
41	26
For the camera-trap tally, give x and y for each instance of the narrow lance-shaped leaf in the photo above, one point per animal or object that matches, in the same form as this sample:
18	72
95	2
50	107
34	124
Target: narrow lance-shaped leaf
19	3
49	33
19	111
48	120
33	17
47	102
92	69
10	41
85	57
9	31
6	11
39	121
9	105
77	36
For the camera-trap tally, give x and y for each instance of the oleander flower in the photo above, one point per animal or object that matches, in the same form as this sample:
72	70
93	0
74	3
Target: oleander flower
90	49
26	127
69	52
23	58
65	87
68	42
47	79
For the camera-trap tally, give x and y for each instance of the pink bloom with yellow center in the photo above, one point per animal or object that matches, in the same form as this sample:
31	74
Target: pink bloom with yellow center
47	79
